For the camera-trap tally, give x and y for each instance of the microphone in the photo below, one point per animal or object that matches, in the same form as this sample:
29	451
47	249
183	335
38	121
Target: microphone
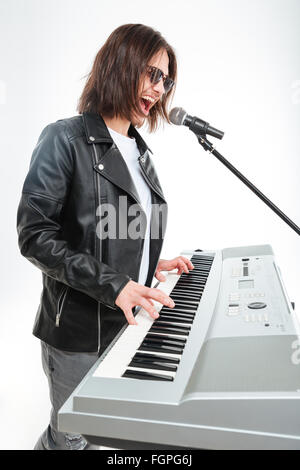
179	117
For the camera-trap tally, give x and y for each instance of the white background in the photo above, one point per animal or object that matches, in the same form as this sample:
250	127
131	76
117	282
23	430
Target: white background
239	69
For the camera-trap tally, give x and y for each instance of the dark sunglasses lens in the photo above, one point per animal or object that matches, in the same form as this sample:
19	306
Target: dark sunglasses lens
155	75
168	84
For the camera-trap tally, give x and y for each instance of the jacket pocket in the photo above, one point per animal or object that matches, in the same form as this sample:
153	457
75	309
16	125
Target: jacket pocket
60	304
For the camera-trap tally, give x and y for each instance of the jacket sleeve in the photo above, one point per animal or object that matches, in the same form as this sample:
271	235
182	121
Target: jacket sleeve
40	239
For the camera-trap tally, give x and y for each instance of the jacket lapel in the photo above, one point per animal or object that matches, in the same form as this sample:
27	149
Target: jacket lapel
112	166
150	175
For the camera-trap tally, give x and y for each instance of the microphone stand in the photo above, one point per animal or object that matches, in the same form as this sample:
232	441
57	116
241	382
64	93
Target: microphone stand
208	146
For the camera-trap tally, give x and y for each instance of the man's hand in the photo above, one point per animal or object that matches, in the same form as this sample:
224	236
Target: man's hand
136	294
180	263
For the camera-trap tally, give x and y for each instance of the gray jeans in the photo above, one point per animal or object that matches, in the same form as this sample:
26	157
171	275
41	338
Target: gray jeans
64	371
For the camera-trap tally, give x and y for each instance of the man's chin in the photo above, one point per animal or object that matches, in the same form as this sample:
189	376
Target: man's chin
138	121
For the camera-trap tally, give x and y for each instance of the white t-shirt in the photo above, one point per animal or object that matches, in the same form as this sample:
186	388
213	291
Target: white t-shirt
130	153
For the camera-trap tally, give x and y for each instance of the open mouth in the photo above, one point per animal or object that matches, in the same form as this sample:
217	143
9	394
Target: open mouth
146	103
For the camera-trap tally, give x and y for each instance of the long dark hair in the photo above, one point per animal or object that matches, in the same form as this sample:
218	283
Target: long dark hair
112	85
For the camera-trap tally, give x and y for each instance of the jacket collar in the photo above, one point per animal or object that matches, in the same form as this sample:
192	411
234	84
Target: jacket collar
96	132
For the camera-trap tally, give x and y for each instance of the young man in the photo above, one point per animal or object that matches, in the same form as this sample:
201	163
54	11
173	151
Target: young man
94	276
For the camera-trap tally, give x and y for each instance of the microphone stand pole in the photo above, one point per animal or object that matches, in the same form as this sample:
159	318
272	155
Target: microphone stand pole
208	146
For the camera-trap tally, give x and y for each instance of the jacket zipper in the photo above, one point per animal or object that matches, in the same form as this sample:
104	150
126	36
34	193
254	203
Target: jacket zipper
60	304
99	254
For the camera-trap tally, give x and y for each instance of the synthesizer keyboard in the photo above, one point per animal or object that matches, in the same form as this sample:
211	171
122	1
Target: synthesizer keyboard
219	371
153	349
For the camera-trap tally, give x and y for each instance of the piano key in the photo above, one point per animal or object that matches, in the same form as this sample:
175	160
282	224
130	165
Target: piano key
165	333
137	374
179	310
162	323
139	363
195	275
202	275
164	341
173	319
159	348
170	373
199	283
185	298
187	316
186	306
169	337
180	290
162	329
176	298
189	289
200	269
185	295
189	302
206	261
199	276
157	357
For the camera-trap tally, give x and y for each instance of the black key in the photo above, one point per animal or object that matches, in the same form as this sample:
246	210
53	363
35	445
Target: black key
185	306
201	277
189	282
152	365
186	328
160	348
198	289
179	310
185	295
178	307
156	357
168	337
174	331
189	289
139	374
150	343
187	301
188	316
196	276
166	342
172	319
185	298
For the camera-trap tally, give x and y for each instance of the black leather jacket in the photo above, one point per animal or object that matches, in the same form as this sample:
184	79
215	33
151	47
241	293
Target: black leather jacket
76	166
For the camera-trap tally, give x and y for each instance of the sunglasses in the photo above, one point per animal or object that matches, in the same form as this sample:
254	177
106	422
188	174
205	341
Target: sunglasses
155	75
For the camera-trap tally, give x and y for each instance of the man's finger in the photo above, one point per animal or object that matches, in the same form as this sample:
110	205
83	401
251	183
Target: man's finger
130	317
182	266
161	297
149	307
160	276
187	262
